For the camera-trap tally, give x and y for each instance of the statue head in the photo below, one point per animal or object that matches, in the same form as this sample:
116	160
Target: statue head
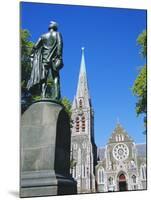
53	25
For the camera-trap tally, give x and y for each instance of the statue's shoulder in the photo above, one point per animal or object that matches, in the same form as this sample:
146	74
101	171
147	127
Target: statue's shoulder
45	35
59	35
50	34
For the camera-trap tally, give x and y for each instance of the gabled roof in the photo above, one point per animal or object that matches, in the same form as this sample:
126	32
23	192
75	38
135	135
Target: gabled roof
119	134
141	150
101	153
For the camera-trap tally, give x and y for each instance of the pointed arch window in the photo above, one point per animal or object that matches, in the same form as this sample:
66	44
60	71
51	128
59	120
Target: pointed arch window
122	137
83	123
134	183
77	124
74	171
84	170
101	176
110	181
119	138
134	179
75	146
75	174
80	103
143	171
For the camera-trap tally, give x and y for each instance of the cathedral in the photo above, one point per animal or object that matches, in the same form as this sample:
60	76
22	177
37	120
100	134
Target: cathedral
119	166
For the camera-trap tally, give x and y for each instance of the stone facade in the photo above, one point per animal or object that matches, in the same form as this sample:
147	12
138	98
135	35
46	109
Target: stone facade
83	148
119	166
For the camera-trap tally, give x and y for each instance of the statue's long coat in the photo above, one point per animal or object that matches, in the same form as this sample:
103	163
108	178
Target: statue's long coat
48	44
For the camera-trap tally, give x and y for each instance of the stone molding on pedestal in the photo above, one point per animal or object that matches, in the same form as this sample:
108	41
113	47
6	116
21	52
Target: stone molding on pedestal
45	151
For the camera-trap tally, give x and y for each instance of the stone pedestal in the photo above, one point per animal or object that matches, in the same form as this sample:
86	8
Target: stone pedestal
45	151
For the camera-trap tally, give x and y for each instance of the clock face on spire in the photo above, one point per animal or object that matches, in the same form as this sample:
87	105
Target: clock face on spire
120	152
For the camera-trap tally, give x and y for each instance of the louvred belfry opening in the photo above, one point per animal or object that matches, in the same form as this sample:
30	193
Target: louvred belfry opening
77	124
83	123
80	103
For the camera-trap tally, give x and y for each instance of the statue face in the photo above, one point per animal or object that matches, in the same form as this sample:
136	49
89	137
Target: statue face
120	152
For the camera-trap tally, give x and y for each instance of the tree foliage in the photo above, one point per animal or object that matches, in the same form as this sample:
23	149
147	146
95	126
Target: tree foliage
142	42
140	90
72	163
34	95
67	104
26	47
140	84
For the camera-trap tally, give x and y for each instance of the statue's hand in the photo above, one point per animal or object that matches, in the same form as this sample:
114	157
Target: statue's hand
32	55
57	63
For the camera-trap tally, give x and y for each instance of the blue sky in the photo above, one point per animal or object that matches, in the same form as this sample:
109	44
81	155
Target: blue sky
111	54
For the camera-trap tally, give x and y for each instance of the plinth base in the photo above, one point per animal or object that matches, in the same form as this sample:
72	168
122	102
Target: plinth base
56	186
45	151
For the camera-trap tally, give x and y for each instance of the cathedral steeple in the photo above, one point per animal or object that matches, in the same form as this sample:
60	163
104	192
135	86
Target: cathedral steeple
82	135
82	89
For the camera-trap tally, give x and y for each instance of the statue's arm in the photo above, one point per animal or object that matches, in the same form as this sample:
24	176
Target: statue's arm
60	45
37	45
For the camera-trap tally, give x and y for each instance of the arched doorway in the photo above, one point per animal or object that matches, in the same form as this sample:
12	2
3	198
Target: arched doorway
122	183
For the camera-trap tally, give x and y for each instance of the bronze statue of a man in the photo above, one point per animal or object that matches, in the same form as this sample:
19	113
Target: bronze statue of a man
46	58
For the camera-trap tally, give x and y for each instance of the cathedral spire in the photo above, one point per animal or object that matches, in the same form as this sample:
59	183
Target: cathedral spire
82	89
82	135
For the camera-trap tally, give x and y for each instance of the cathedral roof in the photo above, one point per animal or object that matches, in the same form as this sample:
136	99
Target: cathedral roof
119	134
101	153
141	149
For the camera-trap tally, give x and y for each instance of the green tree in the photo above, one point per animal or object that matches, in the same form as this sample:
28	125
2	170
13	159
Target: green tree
142	42
26	47
140	83
67	104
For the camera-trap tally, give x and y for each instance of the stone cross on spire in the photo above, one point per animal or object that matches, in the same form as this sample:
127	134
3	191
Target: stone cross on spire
117	120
